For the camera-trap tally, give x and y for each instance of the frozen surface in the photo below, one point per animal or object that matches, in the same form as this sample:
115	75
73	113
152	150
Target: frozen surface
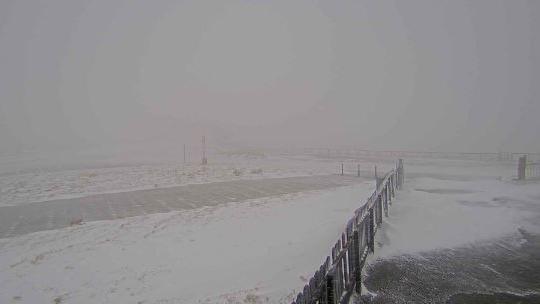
257	251
25	181
433	213
475	240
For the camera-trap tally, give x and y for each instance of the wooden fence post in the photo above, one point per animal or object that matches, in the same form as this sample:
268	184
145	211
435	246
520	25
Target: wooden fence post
371	241
522	164
385	200
379	209
357	269
330	288
401	173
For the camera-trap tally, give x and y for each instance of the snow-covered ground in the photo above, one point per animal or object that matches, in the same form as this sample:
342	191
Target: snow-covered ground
25	179
260	251
37	183
433	213
475	239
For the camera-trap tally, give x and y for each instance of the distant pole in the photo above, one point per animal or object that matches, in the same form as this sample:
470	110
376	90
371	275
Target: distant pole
341	168
204	160
522	164
184	153
358	171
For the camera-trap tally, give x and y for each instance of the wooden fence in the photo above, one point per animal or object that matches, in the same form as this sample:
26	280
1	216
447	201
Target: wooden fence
340	275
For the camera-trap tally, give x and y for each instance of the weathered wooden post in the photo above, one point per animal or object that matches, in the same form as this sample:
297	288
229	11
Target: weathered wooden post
331	287
184	153
204	160
385	200
357	268
380	209
522	164
341	168
389	190
371	230
345	269
401	173
377	180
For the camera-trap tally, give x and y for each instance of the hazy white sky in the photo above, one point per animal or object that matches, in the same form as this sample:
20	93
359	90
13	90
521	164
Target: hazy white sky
426	75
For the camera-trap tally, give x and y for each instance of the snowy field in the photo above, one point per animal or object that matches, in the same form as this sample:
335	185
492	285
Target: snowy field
38	183
28	179
260	251
257	251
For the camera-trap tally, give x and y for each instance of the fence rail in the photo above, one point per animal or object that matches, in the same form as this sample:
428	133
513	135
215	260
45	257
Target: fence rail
340	275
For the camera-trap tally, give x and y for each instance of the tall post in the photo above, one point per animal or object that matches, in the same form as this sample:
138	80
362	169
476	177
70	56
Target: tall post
184	153
371	230
331	288
522	164
401	175
358	171
384	196
204	159
357	268
341	168
377	179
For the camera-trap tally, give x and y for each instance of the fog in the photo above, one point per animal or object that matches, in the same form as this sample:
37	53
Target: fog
414	75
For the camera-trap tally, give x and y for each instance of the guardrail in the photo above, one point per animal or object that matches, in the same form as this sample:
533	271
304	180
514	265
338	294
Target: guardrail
340	275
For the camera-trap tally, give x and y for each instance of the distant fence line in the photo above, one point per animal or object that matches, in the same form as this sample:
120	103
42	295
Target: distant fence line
340	152
340	275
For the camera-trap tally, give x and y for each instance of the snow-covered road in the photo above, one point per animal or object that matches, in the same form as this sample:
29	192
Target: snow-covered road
26	218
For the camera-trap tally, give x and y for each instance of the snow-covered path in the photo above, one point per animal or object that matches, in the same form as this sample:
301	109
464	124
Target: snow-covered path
21	219
256	251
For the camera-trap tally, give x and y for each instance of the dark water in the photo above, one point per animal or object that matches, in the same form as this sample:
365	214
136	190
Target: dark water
505	270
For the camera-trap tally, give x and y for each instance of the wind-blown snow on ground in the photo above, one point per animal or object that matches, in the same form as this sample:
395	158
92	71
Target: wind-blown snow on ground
254	252
449	241
35	183
432	214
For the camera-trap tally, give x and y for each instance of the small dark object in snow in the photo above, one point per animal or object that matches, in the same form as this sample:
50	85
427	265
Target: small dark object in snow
76	222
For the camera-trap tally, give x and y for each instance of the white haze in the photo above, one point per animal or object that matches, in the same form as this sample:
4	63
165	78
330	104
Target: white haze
424	75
